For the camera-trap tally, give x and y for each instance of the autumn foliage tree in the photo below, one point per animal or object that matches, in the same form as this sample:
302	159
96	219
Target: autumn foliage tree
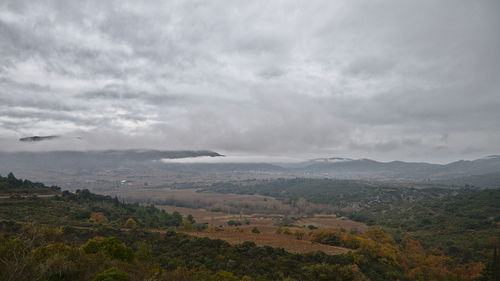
131	223
98	217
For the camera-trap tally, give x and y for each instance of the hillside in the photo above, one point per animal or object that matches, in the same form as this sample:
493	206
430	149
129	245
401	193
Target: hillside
105	170
83	236
458	221
10	185
345	195
454	172
460	225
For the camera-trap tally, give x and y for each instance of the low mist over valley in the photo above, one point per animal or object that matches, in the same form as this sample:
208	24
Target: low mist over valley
111	168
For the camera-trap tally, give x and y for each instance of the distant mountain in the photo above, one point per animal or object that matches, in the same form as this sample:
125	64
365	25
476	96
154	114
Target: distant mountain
459	172
78	168
343	167
489	164
37	138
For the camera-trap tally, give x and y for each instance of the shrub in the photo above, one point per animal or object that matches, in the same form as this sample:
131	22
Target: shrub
186	225
112	274
299	234
98	217
233	223
200	226
255	230
131	223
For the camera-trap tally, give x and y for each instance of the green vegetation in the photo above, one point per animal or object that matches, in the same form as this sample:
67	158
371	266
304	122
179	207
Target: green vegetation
460	225
84	236
52	254
84	208
492	269
81	208
234	223
255	230
343	194
11	185
457	222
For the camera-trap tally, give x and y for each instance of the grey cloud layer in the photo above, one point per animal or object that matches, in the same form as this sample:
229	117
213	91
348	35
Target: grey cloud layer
410	80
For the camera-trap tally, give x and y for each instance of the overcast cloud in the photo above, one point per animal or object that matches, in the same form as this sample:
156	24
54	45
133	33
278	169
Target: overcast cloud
409	80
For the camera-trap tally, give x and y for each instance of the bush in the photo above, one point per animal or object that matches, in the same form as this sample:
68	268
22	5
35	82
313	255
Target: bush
233	223
117	250
200	226
299	234
112	247
329	237
131	223
255	230
98	217
112	274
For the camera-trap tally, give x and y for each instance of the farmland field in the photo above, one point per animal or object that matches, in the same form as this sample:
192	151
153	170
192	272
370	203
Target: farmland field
266	224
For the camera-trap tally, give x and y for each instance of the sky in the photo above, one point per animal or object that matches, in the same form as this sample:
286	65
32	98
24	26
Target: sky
395	79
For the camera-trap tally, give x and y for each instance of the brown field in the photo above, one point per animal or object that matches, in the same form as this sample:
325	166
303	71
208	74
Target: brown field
333	222
262	212
218	229
287	242
259	220
220	219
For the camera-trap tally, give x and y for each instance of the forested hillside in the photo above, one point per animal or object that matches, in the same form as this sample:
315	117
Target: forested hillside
461	222
460	225
83	236
346	195
12	185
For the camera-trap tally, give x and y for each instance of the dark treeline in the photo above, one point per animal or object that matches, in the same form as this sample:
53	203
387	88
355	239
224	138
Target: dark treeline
11	184
343	194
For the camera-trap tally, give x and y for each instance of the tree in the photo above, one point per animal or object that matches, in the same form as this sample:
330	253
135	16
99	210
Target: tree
111	246
144	252
186	225
14	261
233	223
176	218
255	230
329	237
98	217
12	180
131	223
